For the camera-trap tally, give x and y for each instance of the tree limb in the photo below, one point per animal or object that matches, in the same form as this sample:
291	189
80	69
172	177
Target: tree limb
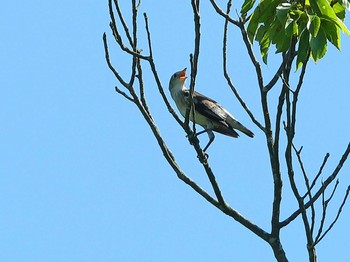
329	180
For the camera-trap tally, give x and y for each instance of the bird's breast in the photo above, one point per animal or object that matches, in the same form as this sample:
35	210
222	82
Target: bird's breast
181	101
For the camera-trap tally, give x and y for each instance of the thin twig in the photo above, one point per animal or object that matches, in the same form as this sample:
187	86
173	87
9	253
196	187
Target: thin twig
194	65
108	60
324	209
119	91
223	14
156	76
329	180
307	183
336	218
318	174
191	109
124	48
275	78
134	26
194	59
148	36
252	56
291	107
125	27
227	76
286	84
141	85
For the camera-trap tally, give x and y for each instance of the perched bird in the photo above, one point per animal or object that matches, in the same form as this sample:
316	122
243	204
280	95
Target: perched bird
208	113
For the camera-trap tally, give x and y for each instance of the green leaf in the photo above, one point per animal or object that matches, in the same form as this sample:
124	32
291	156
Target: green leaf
291	27
260	33
264	47
282	11
295	14
303	48
338	23
324	10
283	44
315	25
274	31
295	28
264	41
278	36
332	32
318	45
339	11
251	29
263	13
303	22
247	5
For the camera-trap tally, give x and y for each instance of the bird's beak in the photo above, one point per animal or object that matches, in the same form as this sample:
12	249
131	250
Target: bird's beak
182	74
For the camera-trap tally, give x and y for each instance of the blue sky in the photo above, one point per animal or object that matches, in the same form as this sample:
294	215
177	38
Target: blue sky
82	177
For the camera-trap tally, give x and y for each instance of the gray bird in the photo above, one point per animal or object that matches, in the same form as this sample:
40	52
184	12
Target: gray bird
208	113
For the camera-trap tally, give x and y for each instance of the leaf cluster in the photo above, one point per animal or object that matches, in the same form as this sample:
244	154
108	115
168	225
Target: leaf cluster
310	23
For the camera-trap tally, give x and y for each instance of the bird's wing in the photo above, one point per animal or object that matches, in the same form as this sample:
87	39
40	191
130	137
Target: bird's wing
215	112
226	130
209	107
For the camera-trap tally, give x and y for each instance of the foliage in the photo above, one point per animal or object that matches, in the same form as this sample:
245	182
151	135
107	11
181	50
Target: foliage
311	23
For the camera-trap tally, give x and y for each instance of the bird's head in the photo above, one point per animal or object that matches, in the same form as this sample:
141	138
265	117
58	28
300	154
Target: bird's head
177	80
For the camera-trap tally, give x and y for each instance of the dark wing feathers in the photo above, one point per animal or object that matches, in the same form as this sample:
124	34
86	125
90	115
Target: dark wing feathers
225	130
225	123
208	107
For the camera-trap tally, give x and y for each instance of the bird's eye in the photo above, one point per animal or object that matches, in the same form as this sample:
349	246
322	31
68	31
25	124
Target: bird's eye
175	75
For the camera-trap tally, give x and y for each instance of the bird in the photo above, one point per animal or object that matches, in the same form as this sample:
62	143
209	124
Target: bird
208	113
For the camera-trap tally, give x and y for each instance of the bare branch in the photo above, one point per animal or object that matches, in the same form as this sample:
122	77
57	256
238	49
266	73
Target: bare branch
194	59
324	210
141	85
319	173
223	14
113	25
319	192
194	66
156	76
108	60
286	84
125	48
290	132
124	94
148	36
307	183
191	109
121	18
134	25
301	78
252	56
336	218
171	160
273	146
275	78
116	74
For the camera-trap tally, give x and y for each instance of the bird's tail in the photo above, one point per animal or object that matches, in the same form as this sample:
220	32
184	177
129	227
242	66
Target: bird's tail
237	125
